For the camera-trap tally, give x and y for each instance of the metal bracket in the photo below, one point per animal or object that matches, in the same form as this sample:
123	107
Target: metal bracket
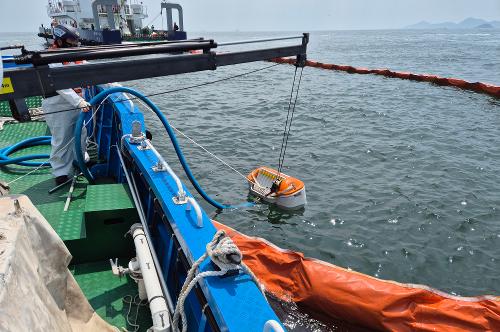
137	140
118	270
301	60
143	146
180	200
159	167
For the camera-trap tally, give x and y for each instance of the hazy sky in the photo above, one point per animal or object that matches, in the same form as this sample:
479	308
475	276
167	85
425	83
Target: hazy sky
303	15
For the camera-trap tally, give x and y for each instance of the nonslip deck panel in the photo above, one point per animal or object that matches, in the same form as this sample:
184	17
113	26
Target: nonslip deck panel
108	197
108	214
31	102
108	294
104	291
37	184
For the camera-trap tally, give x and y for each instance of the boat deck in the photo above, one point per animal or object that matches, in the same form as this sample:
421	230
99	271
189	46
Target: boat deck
93	226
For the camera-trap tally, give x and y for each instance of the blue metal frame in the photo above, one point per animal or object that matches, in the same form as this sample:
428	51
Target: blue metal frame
235	303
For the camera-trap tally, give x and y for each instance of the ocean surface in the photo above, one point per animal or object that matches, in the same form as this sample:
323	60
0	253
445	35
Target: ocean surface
402	178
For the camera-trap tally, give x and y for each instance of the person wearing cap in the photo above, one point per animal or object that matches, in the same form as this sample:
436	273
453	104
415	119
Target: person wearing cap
61	110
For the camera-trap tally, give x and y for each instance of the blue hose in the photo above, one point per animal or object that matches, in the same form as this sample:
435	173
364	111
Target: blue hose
98	98
33	141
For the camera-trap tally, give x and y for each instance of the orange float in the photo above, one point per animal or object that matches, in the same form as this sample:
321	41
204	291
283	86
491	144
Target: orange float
332	294
290	193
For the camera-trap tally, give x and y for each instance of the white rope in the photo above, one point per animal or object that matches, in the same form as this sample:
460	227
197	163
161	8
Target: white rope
22	176
69	142
211	154
203	148
226	255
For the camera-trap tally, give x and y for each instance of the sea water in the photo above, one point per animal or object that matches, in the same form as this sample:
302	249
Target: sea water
402	178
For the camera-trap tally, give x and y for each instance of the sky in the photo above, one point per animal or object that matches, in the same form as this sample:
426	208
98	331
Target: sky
272	15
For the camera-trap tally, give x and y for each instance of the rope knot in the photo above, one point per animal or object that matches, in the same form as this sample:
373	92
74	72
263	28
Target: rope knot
224	252
225	255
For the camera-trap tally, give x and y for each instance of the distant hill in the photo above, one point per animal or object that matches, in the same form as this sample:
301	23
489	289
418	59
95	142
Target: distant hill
468	23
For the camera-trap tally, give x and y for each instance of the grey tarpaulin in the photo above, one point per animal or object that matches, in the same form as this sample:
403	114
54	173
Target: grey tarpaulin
37	291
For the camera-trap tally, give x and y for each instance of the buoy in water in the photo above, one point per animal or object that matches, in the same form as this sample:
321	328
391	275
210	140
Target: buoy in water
277	188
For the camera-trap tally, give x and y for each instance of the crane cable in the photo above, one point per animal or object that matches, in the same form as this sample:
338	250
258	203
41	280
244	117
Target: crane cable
289	119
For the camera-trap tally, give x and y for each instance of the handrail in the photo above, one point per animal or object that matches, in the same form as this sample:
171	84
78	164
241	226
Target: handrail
192	202
163	165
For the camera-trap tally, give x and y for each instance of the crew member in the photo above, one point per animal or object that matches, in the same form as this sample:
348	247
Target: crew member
61	111
176	27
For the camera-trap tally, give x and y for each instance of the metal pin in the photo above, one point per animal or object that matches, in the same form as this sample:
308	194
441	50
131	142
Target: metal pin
70	193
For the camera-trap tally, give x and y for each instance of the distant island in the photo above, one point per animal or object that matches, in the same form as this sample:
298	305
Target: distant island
468	23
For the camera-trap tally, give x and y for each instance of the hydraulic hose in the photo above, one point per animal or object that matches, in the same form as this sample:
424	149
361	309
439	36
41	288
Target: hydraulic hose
5	159
98	98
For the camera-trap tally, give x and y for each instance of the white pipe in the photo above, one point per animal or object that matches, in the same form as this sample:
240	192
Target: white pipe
180	189
140	210
197	209
157	303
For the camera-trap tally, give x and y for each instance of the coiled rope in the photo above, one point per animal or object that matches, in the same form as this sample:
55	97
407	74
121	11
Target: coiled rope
223	253
479	87
133	300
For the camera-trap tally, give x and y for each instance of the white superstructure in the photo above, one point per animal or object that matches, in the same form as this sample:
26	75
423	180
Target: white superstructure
128	15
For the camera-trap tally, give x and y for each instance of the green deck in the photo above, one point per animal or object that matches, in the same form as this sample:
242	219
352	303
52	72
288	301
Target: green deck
93	228
31	102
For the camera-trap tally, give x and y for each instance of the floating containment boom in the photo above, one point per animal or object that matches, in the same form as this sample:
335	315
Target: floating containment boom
480	87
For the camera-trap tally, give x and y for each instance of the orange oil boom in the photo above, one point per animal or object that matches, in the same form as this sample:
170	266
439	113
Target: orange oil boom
332	294
480	87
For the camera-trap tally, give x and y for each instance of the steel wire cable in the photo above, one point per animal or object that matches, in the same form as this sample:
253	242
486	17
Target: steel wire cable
291	119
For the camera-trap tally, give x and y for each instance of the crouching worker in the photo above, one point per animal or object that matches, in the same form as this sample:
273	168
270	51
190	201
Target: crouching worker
61	110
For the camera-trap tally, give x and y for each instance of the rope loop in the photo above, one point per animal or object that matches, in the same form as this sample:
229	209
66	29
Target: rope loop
224	253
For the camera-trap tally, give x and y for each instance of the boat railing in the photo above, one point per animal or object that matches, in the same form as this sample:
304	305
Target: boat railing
162	166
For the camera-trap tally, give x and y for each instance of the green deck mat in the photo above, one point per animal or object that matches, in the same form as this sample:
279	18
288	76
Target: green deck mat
108	197
106	293
31	102
37	184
